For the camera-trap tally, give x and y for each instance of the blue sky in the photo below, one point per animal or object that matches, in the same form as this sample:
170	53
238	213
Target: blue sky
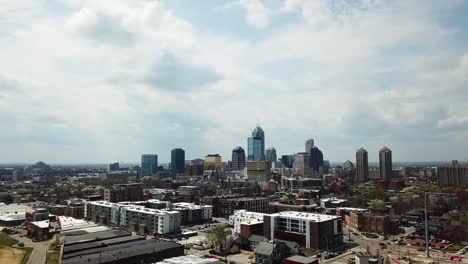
107	80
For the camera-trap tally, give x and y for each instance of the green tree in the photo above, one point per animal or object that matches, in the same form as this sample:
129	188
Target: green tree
218	235
376	203
29	197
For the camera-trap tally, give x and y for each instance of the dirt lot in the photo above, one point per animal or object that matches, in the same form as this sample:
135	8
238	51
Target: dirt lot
11	255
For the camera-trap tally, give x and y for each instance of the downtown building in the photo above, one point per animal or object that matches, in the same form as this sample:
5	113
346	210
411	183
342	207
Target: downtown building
238	159
362	165
259	170
192	213
453	175
385	164
270	155
316	231
149	164
178	161
256	145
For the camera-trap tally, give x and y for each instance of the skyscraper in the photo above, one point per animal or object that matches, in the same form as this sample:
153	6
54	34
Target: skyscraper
362	165
178	160
254	148
149	164
256	144
309	144
270	154
114	167
385	162
238	158
315	158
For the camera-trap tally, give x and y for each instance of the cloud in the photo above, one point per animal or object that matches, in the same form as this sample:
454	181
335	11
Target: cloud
100	27
172	74
257	14
7	85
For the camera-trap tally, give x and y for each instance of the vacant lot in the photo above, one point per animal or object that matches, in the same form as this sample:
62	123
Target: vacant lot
12	255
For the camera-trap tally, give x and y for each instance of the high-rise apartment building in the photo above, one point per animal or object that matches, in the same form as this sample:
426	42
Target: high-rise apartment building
256	145
238	158
362	165
385	162
178	160
270	154
149	164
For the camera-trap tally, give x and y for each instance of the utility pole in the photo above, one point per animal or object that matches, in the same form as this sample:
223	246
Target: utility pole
426	224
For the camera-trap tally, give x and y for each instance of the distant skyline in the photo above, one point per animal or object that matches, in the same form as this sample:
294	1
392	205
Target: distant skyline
109	80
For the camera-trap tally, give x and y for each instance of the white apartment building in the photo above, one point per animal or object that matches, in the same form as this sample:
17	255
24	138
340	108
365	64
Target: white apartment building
244	216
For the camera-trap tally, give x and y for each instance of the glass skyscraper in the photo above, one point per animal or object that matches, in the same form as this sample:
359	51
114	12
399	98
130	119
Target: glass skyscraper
270	154
149	164
256	145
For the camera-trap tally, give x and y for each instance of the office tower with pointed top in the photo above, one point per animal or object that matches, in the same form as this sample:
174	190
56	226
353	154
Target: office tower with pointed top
238	159
362	165
385	162
256	145
270	154
178	160
149	164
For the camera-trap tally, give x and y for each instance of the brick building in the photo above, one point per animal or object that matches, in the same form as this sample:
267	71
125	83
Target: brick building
124	192
365	222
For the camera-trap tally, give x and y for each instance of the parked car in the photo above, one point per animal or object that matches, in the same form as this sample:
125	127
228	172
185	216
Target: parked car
20	244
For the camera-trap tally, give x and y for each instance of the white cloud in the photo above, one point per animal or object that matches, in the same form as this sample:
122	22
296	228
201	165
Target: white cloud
371	73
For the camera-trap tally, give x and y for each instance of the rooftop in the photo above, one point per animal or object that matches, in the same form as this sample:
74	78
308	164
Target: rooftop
306	216
190	259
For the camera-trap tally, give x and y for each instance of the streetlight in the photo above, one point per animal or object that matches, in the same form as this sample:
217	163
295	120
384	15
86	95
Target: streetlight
425	219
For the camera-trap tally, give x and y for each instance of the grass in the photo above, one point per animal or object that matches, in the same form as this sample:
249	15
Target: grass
6	241
53	254
27	255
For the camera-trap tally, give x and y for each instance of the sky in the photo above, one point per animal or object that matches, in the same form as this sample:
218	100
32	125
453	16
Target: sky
107	80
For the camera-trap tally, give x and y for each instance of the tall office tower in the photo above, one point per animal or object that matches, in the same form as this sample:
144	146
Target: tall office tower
256	144
315	158
254	148
149	164
259	170
114	167
270	154
385	161
362	165
178	160
238	158
309	144
454	174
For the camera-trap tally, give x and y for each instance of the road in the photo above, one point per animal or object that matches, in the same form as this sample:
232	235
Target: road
39	254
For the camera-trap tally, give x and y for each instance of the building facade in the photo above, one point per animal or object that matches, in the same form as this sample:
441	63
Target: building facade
124	192
270	154
238	159
256	145
453	175
149	164
259	170
315	160
362	165
309	144
178	160
316	231
385	163
213	162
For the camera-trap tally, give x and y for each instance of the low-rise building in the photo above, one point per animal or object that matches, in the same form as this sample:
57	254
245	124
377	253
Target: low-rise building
124	192
307	229
332	202
366	222
245	217
150	221
253	204
192	213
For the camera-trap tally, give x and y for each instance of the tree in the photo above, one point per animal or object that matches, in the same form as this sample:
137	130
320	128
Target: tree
29	197
376	203
217	235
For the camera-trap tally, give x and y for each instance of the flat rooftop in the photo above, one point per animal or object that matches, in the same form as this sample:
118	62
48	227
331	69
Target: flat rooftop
306	216
103	235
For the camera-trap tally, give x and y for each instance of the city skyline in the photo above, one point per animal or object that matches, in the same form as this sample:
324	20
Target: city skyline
94	82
